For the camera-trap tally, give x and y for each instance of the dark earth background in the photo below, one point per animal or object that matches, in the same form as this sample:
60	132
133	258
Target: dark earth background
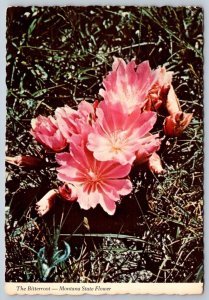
57	56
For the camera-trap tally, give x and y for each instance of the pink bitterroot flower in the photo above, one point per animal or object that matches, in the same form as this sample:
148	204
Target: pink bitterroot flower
117	135
72	121
95	182
128	84
45	130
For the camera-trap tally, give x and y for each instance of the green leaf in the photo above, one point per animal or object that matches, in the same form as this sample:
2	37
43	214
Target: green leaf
62	258
39	93
32	27
200	273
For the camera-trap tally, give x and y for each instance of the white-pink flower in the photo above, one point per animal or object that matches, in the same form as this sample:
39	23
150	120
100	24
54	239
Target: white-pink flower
95	182
117	135
128	84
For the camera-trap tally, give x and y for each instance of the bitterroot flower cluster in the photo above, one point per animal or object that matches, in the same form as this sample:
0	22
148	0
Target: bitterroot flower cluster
97	145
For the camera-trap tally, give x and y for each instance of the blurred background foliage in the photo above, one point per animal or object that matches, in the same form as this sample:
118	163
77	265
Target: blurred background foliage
59	55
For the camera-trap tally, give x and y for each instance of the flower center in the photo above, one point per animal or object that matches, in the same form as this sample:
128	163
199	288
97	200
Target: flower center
117	140
93	177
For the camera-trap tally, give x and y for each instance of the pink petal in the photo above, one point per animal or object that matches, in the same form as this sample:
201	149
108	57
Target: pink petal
142	155
71	173
145	122
97	141
110	116
118	63
79	156
115	170
164	77
121	186
132	78
70	170
86	200
107	204
67	121
58	142
63	158
85	108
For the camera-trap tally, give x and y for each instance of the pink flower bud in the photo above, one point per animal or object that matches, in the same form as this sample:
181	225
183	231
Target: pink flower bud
153	103
157	95
142	156
67	191
46	203
155	165
150	144
172	103
175	124
25	161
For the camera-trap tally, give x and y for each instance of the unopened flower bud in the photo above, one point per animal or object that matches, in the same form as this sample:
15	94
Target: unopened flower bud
25	161
172	102
67	191
154	164
46	203
175	124
150	144
142	156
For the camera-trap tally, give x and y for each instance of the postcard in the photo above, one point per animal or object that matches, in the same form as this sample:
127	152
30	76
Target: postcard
104	150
